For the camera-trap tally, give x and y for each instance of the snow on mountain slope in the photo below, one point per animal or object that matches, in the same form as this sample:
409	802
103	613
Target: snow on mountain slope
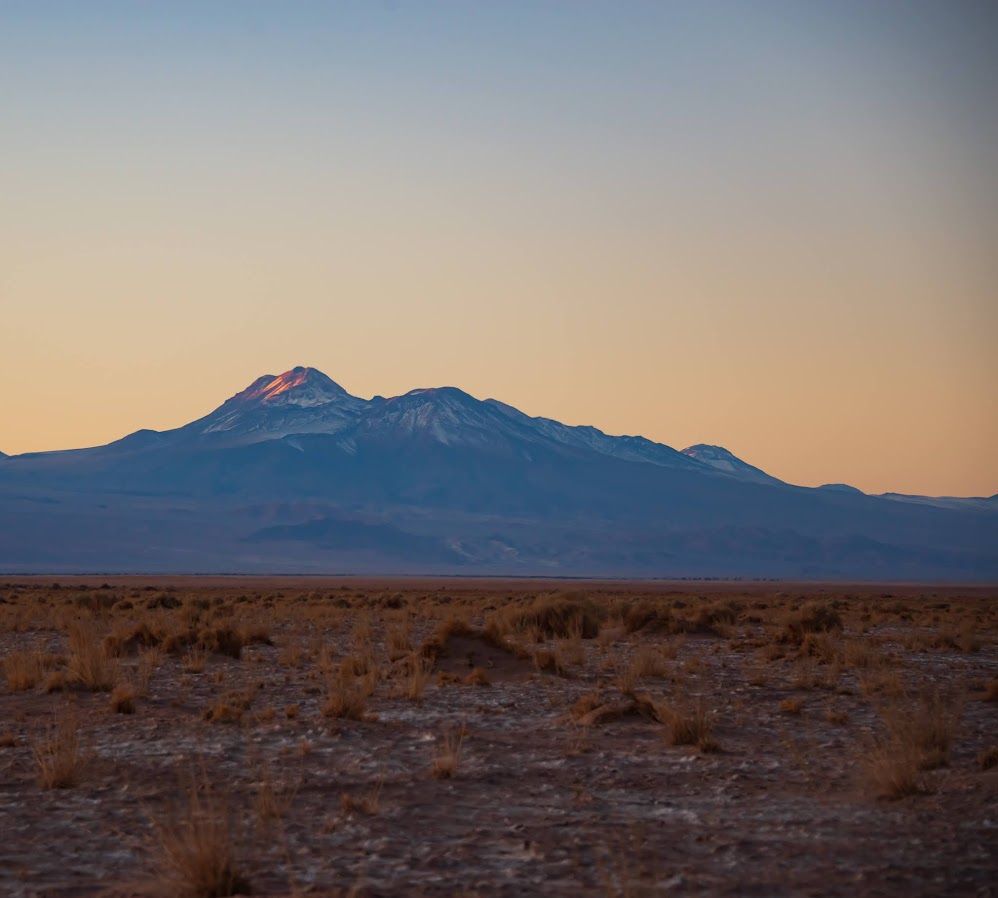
302	400
721	459
626	448
306	401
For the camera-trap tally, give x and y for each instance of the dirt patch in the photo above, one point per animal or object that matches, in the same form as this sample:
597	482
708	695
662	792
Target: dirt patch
461	654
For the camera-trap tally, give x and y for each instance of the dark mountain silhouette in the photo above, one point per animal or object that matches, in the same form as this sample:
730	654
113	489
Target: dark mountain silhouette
295	474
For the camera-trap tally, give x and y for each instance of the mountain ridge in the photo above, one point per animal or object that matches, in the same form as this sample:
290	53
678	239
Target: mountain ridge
437	481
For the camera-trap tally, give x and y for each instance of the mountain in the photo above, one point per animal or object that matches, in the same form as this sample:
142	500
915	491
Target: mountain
721	459
841	487
294	474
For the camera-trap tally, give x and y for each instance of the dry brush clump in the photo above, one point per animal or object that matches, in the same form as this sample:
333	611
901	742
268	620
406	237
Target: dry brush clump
690	724
368	803
90	664
123	698
560	616
918	735
60	757
447	756
196	851
23	670
815	617
346	697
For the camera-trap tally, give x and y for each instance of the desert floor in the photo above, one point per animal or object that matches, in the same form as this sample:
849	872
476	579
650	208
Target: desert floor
293	736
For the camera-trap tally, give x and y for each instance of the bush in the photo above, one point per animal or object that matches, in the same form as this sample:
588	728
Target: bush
559	616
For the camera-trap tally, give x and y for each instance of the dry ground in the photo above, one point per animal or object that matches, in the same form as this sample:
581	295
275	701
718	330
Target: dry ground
444	738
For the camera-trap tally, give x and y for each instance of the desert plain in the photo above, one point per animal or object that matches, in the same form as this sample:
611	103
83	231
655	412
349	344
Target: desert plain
188	736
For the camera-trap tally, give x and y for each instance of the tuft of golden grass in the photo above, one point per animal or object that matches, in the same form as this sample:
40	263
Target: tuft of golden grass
919	735
123	699
197	850
90	663
346	698
814	617
648	661
55	682
223	712
398	637
272	800
368	804
23	670
791	706
195	659
448	754
837	716
550	661
563	615
690	725
478	677
59	755
893	770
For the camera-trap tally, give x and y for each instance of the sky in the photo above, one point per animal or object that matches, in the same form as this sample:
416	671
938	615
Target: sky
768	226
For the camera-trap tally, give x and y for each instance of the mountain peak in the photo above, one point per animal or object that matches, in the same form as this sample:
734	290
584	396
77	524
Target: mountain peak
721	459
302	387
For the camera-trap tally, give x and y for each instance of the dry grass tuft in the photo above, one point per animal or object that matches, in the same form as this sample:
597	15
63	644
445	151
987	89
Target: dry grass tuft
893	771
550	661
367	804
691	725
478	677
23	670
791	706
59	755
837	716
919	735
90	663
562	616
346	697
272	800
648	661
222	712
195	659
123	699
197	851
814	617
448	754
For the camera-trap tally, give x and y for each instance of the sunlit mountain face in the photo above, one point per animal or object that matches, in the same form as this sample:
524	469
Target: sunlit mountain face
302	387
294	474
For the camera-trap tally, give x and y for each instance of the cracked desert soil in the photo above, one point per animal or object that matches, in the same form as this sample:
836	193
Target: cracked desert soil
540	802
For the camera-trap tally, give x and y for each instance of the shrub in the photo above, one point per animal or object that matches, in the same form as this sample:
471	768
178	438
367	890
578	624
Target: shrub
23	669
59	755
123	699
691	725
448	754
197	856
563	615
346	699
90	665
812	618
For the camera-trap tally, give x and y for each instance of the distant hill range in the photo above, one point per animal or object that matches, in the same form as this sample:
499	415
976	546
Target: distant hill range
294	474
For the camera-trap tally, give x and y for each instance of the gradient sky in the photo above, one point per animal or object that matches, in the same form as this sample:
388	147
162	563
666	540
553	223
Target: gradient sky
771	226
